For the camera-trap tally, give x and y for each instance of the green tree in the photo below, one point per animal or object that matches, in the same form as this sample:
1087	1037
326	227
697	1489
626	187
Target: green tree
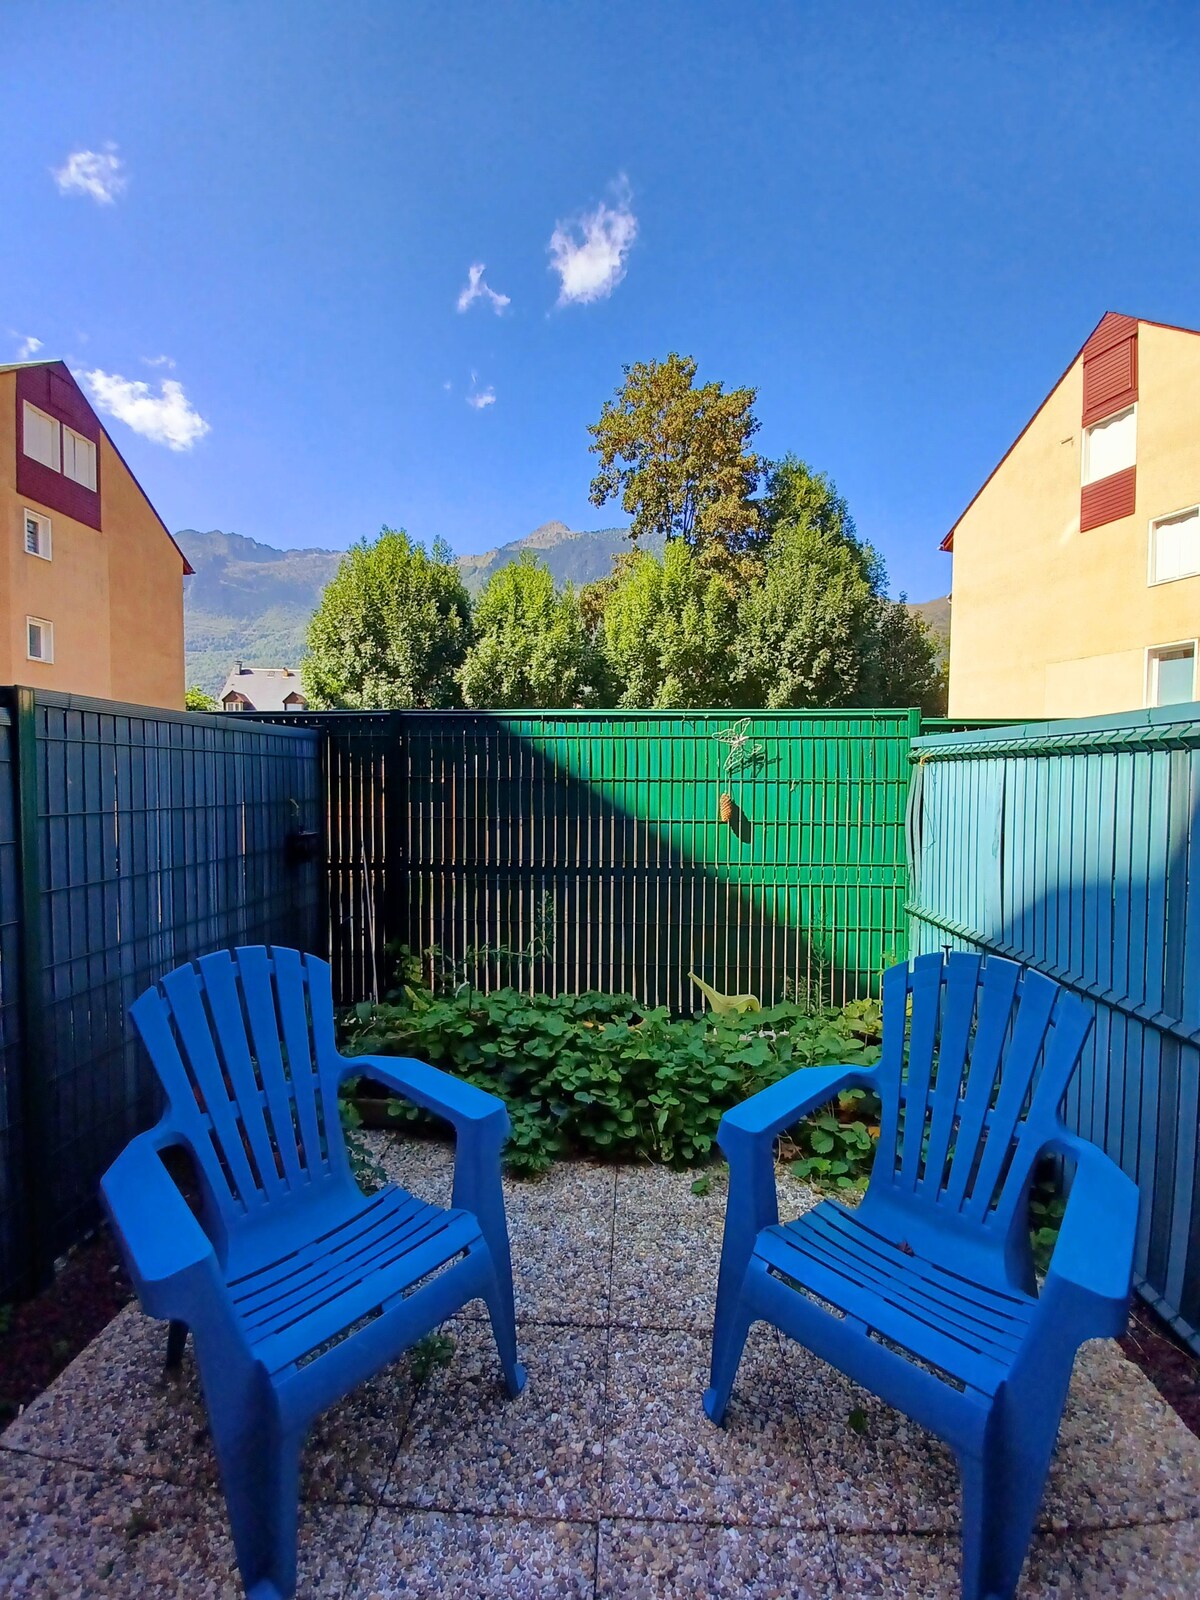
531	646
820	629
678	455
196	699
669	632
391	629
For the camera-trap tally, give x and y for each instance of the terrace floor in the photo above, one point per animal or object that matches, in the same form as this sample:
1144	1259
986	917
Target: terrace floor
604	1478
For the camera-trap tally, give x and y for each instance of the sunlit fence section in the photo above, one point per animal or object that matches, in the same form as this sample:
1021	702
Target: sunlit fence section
570	850
1072	846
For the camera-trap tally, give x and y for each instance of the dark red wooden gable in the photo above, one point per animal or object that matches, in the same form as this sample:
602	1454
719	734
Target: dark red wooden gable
1110	368
52	389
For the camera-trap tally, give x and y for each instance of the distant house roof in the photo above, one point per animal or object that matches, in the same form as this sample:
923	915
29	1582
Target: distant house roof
263	689
1109	316
18	366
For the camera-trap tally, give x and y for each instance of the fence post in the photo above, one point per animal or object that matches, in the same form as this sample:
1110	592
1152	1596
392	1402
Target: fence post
35	1054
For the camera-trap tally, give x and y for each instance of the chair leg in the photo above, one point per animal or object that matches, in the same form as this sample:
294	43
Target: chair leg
499	1300
177	1333
260	1473
1001	1491
730	1328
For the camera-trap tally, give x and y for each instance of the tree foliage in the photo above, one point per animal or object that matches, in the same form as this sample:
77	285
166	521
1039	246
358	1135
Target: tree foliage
668	631
531	646
391	630
195	699
678	455
820	630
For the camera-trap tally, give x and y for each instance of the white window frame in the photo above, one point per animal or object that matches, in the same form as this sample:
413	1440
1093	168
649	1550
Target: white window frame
79	439
1154	654
56	425
1170	516
1085	457
45	544
47	628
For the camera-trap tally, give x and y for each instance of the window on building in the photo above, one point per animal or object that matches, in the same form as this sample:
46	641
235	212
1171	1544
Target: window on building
79	458
1110	446
41	437
1175	546
40	636
37	534
1171	674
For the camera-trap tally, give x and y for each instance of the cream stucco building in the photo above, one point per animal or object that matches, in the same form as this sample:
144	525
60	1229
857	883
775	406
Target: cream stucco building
1076	585
91	582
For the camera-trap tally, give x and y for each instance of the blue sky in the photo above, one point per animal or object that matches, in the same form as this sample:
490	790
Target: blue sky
896	222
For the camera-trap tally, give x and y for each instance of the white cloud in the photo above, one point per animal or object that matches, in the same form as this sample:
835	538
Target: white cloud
29	346
589	252
167	417
476	289
157	361
98	173
480	397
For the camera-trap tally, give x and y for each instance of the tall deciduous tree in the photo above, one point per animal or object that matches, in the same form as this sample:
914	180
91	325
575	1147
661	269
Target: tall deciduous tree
391	630
531	646
668	632
677	454
820	630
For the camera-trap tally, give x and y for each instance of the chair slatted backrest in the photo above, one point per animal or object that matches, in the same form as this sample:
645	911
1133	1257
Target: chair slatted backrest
243	1044
971	1087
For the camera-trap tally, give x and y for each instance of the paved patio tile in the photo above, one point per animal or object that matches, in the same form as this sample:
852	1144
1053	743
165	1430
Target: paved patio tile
560	1227
116	1408
929	1567
68	1532
682	1561
1160	1559
468	1447
889	1473
667	1243
430	1555
1123	1455
665	1459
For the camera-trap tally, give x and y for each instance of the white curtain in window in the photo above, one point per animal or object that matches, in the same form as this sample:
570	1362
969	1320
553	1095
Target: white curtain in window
41	437
1110	446
1177	546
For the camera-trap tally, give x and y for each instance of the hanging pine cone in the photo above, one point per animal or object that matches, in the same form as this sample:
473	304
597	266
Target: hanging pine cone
725	807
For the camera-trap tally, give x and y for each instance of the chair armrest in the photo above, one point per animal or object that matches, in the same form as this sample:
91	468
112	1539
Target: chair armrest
164	1245
468	1109
1091	1270
773	1109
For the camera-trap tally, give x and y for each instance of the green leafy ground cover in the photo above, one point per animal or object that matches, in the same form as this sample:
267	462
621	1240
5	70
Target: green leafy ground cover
598	1074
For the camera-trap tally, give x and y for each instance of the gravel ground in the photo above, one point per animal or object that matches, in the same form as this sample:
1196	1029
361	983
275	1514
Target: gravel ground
603	1478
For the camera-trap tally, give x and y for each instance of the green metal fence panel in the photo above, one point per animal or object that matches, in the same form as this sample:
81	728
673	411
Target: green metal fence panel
1071	846
573	850
143	838
13	1222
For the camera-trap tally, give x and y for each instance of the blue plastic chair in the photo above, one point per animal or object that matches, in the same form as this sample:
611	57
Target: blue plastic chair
294	1285
926	1293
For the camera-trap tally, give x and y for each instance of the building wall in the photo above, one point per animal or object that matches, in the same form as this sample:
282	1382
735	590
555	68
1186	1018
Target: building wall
1049	621
114	595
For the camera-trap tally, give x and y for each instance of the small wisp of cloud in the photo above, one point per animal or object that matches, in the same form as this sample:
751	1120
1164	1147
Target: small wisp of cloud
28	347
166	418
479	398
158	361
99	174
589	252
477	289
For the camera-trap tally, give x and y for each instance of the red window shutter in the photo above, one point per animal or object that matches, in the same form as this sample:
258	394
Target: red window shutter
1107	499
1110	376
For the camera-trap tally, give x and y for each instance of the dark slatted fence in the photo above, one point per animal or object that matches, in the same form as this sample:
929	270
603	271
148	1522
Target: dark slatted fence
134	839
